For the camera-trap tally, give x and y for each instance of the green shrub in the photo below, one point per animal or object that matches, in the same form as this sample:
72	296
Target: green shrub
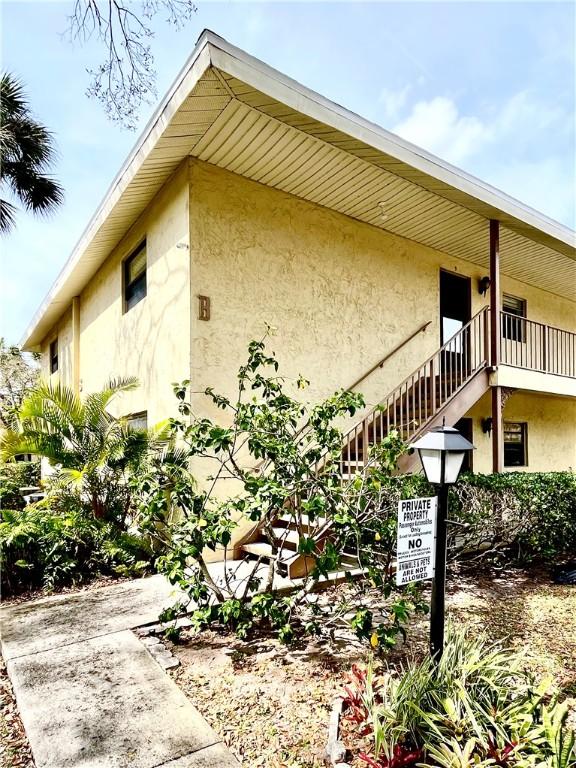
543	510
16	475
477	708
525	515
43	548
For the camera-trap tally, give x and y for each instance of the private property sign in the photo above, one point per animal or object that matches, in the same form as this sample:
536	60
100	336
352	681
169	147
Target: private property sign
416	539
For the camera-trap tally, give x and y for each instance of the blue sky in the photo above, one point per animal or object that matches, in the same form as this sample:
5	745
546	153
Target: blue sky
489	87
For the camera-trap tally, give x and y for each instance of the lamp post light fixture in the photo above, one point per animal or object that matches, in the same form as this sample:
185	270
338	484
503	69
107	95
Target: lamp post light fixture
442	452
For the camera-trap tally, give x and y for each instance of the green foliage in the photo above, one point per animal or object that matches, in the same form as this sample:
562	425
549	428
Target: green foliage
27	150
536	512
93	452
478	708
519	515
16	475
283	457
40	547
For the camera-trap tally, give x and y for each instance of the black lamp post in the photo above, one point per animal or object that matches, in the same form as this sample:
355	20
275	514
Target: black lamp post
442	452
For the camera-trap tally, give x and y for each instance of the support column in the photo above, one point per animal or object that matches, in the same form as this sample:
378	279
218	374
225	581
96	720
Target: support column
497	430
76	344
495	294
495	335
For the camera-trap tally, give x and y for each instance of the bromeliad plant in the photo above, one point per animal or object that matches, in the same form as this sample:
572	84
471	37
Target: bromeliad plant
269	446
478	708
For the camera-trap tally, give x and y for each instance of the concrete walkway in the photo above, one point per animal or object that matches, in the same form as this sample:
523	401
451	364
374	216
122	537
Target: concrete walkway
89	693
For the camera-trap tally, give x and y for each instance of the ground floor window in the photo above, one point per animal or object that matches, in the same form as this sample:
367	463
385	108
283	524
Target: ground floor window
138	420
515	444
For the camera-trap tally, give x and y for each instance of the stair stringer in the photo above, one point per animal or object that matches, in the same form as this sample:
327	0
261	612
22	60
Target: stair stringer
451	412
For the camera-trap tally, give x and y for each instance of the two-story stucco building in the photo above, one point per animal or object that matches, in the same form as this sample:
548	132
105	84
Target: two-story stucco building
250	200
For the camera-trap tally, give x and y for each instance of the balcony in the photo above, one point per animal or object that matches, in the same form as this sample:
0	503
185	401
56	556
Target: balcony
537	347
536	357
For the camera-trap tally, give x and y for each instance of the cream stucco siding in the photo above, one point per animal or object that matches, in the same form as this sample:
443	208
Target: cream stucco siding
62	332
551	429
340	294
151	340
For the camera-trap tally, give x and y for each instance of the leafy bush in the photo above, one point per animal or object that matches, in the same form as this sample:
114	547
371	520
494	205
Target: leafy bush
536	511
268	447
521	515
40	547
16	475
477	708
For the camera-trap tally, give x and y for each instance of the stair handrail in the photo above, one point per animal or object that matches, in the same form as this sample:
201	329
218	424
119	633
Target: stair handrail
484	310
390	354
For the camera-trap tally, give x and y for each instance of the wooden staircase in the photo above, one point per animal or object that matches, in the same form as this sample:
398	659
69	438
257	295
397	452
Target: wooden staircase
441	390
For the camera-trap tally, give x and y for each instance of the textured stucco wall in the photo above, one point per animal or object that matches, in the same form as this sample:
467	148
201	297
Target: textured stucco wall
551	431
339	293
63	332
152	340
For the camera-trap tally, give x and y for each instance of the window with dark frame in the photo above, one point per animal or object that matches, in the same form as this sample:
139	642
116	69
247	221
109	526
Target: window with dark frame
54	356
515	444
513	325
135	277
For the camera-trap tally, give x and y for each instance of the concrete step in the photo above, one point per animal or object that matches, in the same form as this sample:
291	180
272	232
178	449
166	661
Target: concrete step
259	549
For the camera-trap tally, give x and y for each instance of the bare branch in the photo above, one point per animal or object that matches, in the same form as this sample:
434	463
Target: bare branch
126	78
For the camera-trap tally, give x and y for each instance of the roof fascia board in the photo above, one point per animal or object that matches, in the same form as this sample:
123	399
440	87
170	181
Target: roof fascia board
244	67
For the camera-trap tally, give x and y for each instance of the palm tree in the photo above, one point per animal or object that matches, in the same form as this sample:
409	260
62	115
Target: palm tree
26	152
92	450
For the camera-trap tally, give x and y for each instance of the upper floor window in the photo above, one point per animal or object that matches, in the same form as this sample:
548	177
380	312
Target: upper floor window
513	326
135	277
54	356
515	444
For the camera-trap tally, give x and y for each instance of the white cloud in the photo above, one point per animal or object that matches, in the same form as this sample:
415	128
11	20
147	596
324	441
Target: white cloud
393	101
519	147
438	126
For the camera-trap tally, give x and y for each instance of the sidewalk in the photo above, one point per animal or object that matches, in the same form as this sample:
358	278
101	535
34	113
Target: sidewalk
89	693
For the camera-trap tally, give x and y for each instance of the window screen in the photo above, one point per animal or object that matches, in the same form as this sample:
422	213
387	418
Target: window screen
138	420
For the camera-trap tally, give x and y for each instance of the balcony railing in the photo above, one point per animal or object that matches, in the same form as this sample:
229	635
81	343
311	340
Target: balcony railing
537	347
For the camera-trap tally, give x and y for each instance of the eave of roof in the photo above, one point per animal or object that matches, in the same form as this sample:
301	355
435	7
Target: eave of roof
212	51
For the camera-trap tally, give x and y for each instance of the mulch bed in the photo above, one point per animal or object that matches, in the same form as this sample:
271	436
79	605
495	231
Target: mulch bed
14	748
271	704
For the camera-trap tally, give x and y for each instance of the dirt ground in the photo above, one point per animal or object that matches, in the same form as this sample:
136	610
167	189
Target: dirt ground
271	704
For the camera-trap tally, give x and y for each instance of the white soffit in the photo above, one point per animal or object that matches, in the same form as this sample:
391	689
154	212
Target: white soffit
234	111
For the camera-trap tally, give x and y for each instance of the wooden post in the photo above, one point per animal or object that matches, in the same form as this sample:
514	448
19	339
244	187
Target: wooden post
497	430
495	297
76	344
495	336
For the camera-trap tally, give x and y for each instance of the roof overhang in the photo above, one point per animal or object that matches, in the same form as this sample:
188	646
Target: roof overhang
232	110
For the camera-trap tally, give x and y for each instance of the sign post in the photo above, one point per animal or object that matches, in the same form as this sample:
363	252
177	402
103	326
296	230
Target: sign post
437	601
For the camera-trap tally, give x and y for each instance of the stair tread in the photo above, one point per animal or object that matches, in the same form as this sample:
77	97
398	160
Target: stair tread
258	548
